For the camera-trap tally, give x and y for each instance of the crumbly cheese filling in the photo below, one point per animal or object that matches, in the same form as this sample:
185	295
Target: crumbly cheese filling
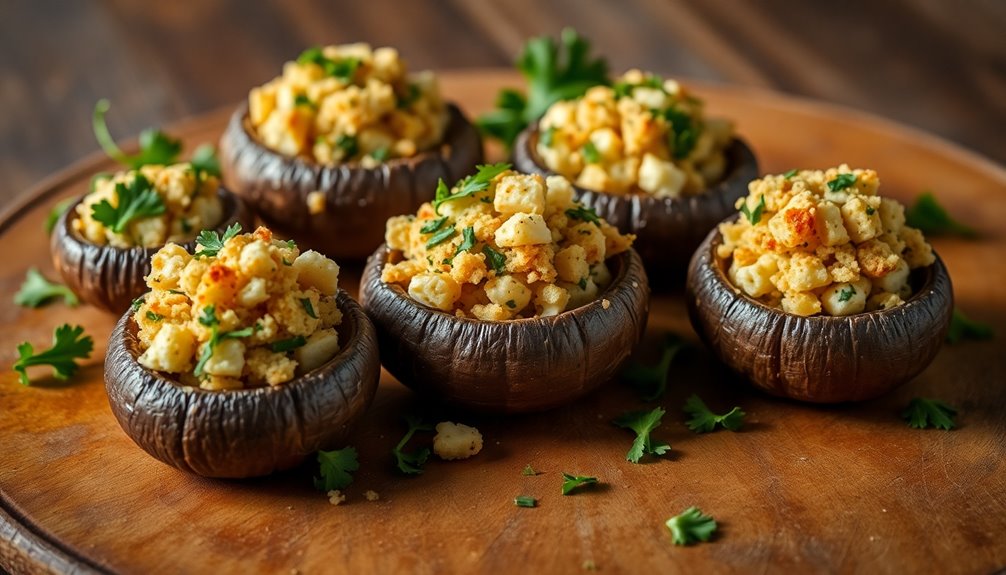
348	103
517	247
640	135
823	242
256	312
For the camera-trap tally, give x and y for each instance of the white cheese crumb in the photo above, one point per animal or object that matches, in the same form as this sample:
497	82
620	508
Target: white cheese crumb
316	202
456	441
372	495
605	303
336	497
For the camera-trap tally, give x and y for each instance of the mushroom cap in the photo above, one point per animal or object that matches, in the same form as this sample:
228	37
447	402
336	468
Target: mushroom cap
818	359
358	200
246	432
667	229
511	366
110	278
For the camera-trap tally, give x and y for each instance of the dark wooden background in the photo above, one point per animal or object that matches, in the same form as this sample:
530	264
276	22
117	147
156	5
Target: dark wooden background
934	64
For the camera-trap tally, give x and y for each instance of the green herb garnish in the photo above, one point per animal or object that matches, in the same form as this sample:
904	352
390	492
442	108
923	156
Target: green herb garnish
963	327
210	320
571	482
529	471
135	306
496	260
433	225
753	216
691	526
343	68
348	144
156	147
870	210
303	100
210	242
440	237
928	216
582	284
552	72
525	501
547	136
68	345
57	210
380	154
643	423
37	291
684	133
154	316
411	462
841	182
511	303
922	413
703	420
308	308
204	161
590	153
651	380
846	294
136	200
584	213
285	345
335	467
469	185
788	175
468	241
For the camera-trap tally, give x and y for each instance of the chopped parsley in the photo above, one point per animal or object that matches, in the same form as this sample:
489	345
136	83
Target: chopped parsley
56	212
285	345
547	136
525	501
204	161
841	182
303	100
156	147
572	482
380	154
468	241
584	214
348	144
468	185
789	175
37	291
335	467
643	423
136	200
590	153
846	293
495	259
440	237
411	96
411	462
922	413
68	345
511	303
154	316
210	242
691	526
703	420
582	283
305	302
870	210
753	216
433	225
342	68
208	318
135	306
529	471
684	132
553	71
651	380
962	327
928	216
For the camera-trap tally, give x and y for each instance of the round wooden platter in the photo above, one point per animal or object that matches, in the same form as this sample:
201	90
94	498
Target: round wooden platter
801	488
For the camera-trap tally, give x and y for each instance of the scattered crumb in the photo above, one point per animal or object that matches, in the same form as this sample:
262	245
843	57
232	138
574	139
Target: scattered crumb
589	565
635	284
605	303
456	441
316	202
372	495
336	497
289	507
295	571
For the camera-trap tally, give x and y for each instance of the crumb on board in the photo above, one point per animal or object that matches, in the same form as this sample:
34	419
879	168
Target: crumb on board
605	303
372	495
456	441
336	497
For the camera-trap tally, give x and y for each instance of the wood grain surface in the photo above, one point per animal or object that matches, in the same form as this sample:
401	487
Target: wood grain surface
844	489
934	64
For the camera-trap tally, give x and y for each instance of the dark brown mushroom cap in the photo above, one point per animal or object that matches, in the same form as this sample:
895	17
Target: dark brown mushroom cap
358	200
247	432
507	366
667	229
818	359
110	278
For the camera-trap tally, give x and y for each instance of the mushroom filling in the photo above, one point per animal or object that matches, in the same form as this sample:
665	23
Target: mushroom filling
149	207
243	311
641	135
816	241
348	103
503	245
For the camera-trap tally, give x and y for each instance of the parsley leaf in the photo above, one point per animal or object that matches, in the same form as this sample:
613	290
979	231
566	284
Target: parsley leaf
928	216
846	294
651	380
56	212
433	225
348	144
36	291
754	216
590	153
789	175
552	72
343	68
571	482
440	237
209	319
841	182
963	327
691	526
684	132
583	213
529	471
922	413
204	161
210	242
154	316
156	147
68	344
468	242
547	136
411	462
496	260
285	345
335	467
643	422
308	308
703	420
137	200
525	501
303	100
469	185
380	154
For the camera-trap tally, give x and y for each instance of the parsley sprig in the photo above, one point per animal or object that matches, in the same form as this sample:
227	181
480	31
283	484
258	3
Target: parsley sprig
584	214
753	216
54	214
927	215
342	68
68	345
553	72
495	259
37	291
210	320
703	420
335	467
411	462
841	182
468	185
643	423
922	413
691	526
156	147
210	242
573	482
136	200
962	327
651	380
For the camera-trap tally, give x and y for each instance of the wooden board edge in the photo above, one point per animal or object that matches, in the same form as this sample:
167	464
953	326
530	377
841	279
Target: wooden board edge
28	549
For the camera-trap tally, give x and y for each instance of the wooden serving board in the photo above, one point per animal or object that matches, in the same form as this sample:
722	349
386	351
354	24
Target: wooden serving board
800	489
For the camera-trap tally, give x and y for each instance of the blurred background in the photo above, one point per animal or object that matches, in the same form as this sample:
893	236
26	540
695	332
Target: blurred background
934	64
